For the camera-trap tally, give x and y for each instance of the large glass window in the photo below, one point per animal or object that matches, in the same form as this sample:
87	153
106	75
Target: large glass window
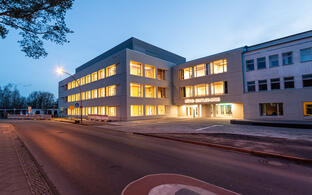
94	110
307	80
136	110
111	70
73	98
111	110
200	70
101	74
217	88
136	68
251	86
69	85
73	84
263	86
201	90
88	79
83	95
94	93
273	61
250	65
150	91
94	76
111	90
306	54
136	90
289	82
77	96
82	80
189	91
101	92
161	92
307	108
150	110
224	110
186	73
88	95
271	109
161	74
275	84
218	66
261	63
150	71
101	110
69	98
287	58
161	109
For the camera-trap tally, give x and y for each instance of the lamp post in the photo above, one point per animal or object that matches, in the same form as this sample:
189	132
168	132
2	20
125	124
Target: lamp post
61	71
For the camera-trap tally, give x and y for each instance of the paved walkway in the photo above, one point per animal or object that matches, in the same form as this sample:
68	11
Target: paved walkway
12	177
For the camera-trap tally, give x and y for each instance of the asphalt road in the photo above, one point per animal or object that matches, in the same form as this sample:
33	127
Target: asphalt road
90	160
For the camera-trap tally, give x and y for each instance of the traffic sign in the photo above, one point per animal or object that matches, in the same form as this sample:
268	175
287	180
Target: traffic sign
71	107
77	105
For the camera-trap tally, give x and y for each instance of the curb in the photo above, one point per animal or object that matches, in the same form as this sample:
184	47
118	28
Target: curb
272	124
257	153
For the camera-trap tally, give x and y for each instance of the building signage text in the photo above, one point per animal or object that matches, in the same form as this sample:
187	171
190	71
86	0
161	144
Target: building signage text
202	100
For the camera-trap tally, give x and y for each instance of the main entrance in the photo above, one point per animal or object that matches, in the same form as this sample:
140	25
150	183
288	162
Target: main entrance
193	111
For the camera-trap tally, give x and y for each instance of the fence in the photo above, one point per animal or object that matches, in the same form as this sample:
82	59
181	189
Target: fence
29	117
98	117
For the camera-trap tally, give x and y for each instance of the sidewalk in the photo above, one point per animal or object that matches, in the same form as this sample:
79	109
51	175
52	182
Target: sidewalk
12	177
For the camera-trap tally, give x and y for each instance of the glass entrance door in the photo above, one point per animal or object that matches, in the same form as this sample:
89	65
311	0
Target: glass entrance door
193	111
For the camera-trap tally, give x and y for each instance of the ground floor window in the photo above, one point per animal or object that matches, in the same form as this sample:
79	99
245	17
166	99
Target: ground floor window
307	108
136	110
150	110
111	110
223	110
101	110
271	109
161	109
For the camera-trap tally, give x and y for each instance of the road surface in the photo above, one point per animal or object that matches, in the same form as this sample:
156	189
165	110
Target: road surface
91	160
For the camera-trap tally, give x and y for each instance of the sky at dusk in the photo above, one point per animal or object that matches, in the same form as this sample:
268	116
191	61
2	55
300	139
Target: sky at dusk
190	28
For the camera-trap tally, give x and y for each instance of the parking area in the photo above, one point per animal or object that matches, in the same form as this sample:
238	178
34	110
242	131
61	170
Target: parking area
202	125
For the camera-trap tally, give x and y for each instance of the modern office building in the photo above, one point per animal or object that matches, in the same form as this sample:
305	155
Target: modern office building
136	80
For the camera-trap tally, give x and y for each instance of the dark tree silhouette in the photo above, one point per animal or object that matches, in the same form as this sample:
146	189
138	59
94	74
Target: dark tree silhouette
36	21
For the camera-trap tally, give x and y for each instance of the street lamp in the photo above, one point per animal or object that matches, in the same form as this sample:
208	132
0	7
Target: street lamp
61	71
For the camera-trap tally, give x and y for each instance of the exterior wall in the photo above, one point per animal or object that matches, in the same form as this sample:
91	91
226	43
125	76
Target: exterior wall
292	99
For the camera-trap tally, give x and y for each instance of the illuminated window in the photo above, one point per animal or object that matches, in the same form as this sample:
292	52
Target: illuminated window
94	76
201	90
136	68
218	66
78	97
186	73
69	85
88	110
101	74
161	92
73	84
150	91
161	74
94	93
136	110
69	98
101	92
161	109
111	110
82	80
83	95
217	88
149	71
189	91
223	110
73	98
88	95
111	70
83	111
307	108
111	90
94	110
88	79
200	70
77	82
101	110
150	110
136	90
271	109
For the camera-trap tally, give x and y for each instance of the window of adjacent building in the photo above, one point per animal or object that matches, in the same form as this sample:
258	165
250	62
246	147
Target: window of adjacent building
161	92
78	97
69	98
69	85
82	80
150	110
201	90
161	109
136	90
307	80
88	79
111	90
287	58
273	61
250	65
271	109
101	110
200	70
261	63
136	68
111	70
217	88
101	74
136	110
111	110
83	95
289	82
150	91
150	71
251	86
306	54
218	66
94	76
161	74
263	86
88	95
307	108
94	93
186	73
275	84
101	92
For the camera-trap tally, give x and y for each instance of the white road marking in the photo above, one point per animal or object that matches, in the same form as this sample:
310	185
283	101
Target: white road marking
208	127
